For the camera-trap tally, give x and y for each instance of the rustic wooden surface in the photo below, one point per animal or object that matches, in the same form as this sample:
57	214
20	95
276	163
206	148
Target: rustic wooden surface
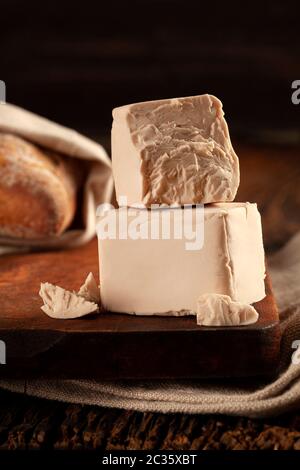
124	346
35	424
27	422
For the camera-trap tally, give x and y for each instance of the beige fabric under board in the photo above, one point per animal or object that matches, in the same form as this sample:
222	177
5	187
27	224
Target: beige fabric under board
246	398
98	186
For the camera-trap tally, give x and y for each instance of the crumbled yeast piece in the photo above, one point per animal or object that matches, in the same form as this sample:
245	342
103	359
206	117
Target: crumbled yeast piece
220	310
89	290
63	304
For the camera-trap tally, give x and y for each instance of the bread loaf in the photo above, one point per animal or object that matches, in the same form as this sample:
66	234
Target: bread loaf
37	190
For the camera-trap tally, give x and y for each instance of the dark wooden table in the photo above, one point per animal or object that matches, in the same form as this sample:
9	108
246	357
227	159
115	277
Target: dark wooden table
123	346
269	176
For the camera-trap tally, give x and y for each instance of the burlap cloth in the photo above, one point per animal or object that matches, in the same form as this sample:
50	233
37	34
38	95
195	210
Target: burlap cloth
98	185
252	398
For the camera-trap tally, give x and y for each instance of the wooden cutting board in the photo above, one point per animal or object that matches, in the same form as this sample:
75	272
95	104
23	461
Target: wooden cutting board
114	346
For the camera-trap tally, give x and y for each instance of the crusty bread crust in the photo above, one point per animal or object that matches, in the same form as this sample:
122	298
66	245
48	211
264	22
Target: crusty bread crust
37	189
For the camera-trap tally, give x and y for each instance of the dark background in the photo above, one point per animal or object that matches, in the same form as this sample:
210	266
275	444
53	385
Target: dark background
74	61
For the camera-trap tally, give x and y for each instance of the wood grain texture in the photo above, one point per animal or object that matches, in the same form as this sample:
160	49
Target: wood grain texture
121	346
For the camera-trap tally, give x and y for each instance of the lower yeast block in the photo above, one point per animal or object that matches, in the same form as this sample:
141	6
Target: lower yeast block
159	262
